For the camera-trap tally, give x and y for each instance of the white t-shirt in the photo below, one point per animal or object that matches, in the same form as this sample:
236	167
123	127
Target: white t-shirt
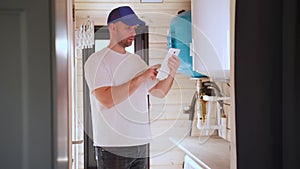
126	123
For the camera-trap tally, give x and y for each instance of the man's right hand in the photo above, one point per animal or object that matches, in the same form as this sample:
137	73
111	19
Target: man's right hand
151	72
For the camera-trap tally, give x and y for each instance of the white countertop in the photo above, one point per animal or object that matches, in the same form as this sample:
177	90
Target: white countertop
210	152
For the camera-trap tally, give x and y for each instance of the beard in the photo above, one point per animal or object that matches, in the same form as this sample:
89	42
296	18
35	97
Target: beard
125	42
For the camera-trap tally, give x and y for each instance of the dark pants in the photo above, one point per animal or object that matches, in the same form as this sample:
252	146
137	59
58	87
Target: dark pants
133	157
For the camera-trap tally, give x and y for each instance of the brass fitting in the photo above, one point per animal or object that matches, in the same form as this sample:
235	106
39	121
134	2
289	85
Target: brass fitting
199	87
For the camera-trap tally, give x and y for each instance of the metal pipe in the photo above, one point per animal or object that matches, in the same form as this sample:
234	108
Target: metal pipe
200	91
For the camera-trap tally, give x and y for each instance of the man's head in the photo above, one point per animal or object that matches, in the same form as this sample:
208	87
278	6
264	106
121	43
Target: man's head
122	22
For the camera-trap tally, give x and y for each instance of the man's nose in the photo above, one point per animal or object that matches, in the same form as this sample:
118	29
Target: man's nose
132	32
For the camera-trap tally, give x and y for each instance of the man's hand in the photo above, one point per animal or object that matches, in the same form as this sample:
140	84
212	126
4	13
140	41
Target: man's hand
151	72
173	64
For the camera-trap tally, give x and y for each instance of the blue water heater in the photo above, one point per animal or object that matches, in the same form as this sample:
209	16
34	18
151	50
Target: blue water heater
180	36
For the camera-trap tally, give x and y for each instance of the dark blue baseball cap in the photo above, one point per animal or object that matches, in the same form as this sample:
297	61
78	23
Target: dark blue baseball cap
124	14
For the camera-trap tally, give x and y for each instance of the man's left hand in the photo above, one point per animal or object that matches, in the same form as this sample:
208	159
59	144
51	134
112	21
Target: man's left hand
173	64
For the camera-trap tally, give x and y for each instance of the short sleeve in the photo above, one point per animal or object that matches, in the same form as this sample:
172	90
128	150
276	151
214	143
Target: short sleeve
98	75
102	77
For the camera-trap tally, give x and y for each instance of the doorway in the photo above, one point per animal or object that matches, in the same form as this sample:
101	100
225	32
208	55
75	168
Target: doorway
166	111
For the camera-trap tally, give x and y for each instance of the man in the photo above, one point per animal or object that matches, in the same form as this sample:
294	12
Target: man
119	83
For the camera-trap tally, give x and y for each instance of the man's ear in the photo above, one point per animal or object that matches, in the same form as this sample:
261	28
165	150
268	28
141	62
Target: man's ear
112	26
